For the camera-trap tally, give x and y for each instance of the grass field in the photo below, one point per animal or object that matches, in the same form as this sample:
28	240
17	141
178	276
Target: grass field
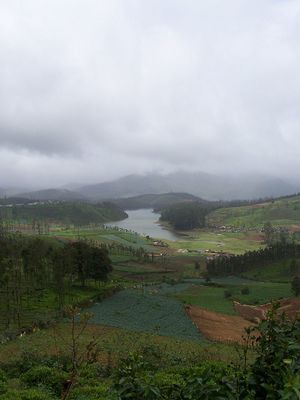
42	307
236	243
278	271
282	212
105	235
213	298
115	343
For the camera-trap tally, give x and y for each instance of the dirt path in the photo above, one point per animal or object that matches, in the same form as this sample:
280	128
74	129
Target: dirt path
218	327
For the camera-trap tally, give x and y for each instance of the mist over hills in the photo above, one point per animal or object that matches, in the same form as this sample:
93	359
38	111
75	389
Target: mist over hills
54	194
206	186
155	201
199	184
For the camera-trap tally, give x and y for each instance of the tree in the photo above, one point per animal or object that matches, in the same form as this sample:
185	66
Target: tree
296	285
269	233
90	262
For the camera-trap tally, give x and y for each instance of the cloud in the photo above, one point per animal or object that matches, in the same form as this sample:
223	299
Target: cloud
91	90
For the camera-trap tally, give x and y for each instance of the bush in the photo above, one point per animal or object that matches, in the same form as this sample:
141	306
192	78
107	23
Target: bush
92	392
30	359
3	382
227	294
47	377
31	394
245	290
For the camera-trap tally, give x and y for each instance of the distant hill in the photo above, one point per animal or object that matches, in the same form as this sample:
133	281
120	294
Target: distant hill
77	213
207	186
9	191
283	211
53	194
155	201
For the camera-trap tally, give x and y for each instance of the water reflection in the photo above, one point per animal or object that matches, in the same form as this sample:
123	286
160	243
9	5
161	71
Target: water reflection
145	222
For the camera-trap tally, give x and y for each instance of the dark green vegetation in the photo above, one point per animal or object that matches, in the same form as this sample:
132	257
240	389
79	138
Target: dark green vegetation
266	367
38	277
186	216
147	309
77	213
238	264
155	201
148	348
278	271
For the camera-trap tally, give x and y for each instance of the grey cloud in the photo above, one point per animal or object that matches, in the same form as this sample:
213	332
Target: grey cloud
96	89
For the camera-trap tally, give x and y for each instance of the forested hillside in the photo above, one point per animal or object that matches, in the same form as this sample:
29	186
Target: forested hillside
155	201
77	213
185	216
40	275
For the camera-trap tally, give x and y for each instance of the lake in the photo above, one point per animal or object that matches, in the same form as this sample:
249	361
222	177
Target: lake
145	222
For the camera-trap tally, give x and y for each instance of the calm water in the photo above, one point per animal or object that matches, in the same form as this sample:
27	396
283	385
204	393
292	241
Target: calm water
145	222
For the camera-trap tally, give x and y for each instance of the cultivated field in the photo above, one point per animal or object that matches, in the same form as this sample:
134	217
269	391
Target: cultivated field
281	212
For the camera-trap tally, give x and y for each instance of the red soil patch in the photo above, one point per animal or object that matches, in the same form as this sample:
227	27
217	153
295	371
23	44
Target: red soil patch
218	327
294	228
230	328
259	237
290	307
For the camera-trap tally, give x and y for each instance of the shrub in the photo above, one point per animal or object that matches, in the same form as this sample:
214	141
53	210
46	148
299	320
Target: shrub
3	382
31	394
47	377
92	392
227	294
245	290
276	369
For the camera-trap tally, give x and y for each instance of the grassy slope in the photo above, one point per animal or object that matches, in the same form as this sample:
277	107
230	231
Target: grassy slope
282	212
236	243
116	342
108	235
212	298
278	271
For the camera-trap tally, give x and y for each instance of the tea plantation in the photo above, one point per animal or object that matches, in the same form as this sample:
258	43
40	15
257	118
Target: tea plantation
146	311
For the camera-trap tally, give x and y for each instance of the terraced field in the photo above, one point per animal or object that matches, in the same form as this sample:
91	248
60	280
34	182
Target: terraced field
236	243
147	310
281	212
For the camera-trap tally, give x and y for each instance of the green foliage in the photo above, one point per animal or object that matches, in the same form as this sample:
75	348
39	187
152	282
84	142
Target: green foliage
38	277
227	294
276	371
147	310
93	391
239	264
281	212
296	285
245	290
185	216
274	375
30	394
47	377
77	213
3	382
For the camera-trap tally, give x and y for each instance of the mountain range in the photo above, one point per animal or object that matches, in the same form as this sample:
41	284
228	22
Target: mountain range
200	184
206	186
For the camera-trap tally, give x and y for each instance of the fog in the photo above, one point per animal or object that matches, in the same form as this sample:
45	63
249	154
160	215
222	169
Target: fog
91	90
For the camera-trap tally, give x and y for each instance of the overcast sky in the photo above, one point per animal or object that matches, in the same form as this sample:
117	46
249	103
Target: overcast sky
94	89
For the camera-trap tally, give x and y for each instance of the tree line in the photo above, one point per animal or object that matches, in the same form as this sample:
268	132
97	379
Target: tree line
236	264
188	215
31	267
